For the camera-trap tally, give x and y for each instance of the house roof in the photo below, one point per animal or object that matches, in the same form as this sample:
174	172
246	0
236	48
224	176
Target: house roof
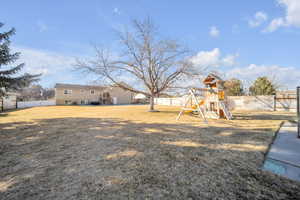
66	86
140	96
11	94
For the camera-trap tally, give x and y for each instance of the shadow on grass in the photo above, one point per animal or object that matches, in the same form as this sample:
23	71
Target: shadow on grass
89	158
274	116
3	114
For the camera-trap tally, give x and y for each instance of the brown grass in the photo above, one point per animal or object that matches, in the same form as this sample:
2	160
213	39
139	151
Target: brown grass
124	152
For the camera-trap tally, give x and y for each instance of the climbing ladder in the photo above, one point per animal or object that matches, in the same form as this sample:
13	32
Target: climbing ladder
227	114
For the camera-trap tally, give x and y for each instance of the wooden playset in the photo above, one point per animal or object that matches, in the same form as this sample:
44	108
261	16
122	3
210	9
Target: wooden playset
207	102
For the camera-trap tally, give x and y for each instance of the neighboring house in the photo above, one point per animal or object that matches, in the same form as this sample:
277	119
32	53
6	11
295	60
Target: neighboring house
87	94
140	98
9	101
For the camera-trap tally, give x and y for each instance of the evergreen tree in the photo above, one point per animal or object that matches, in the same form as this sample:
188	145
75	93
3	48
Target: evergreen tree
262	86
10	79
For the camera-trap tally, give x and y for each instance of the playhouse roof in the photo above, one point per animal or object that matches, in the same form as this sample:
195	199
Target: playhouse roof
212	79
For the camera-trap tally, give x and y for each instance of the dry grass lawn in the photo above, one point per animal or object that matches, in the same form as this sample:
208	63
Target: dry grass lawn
124	152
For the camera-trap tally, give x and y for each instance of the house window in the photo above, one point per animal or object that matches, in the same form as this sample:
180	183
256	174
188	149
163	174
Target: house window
82	91
67	91
106	95
92	91
68	102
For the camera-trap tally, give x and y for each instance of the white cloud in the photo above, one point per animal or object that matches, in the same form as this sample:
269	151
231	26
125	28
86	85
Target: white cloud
117	11
54	67
37	61
41	26
207	58
214	31
259	18
288	77
229	60
275	24
213	59
291	18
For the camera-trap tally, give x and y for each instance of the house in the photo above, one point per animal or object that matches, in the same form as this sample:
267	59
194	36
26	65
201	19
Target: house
140	98
89	94
9	101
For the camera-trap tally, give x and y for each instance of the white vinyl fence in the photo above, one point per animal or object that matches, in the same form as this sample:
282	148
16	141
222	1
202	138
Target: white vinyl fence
266	103
27	104
178	101
9	102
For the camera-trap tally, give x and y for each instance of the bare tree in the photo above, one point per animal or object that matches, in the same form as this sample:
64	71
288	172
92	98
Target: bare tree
35	92
152	63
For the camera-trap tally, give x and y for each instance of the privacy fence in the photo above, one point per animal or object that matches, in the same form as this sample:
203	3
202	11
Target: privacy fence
12	103
8	102
286	100
263	103
282	101
27	104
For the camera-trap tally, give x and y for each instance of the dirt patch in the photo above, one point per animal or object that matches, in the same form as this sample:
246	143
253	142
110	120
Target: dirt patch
124	152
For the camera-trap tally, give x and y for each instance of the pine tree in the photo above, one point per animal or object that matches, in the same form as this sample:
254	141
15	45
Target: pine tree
10	79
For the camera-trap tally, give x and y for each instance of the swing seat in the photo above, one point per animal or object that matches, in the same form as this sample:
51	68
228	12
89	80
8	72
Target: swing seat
195	108
188	110
201	102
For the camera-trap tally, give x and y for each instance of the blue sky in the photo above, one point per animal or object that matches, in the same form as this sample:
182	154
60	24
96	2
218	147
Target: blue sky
242	39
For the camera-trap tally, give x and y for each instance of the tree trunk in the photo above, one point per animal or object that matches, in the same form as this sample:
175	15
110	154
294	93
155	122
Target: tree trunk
152	104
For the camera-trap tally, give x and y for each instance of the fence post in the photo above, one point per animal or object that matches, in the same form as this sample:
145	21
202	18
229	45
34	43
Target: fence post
2	106
275	102
298	109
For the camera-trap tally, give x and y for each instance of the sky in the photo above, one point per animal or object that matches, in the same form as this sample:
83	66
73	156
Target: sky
239	39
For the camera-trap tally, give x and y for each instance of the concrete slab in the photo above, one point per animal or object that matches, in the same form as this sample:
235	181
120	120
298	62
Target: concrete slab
283	157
